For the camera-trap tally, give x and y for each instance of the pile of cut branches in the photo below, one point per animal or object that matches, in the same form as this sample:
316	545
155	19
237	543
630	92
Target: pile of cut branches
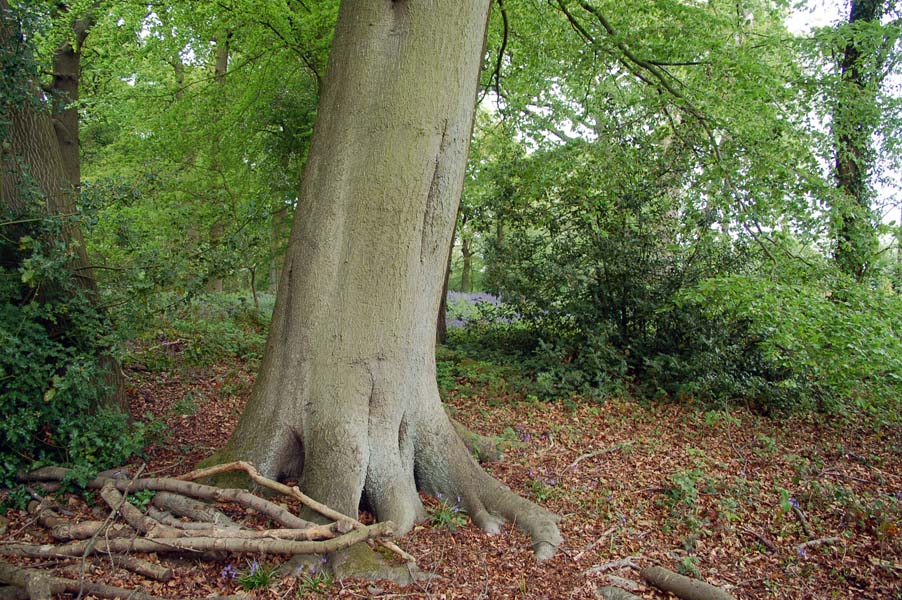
178	522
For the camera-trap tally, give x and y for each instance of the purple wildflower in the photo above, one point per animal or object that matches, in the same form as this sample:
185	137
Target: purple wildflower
254	566
228	572
794	503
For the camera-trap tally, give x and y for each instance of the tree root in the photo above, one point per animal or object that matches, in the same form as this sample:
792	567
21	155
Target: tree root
682	586
482	447
609	592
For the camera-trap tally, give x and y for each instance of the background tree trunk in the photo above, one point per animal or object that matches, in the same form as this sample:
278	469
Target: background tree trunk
32	152
466	262
66	78
855	119
346	399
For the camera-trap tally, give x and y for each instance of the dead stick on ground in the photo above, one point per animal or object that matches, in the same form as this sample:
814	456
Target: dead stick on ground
20	577
200	544
183	506
144	568
89	546
134	517
682	586
598	540
761	538
610	592
818	542
614	564
187	488
801	516
293	492
601	452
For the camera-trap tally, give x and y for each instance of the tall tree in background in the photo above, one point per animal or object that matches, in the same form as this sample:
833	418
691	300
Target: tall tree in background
33	159
855	119
346	400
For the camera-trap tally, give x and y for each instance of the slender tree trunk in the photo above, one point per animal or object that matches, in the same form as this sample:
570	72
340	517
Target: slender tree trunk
346	400
854	122
441	325
220	70
466	263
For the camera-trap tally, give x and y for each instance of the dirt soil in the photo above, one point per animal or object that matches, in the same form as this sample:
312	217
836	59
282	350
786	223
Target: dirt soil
791	508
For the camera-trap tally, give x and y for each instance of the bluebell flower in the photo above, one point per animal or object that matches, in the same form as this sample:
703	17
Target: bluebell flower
228	572
794	503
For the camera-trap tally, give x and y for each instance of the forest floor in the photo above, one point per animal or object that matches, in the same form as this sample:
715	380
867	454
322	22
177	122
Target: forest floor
765	508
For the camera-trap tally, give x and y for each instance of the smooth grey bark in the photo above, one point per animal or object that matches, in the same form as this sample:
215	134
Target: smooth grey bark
346	400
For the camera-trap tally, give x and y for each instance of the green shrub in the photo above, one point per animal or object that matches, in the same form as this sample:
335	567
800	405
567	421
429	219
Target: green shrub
836	344
202	331
52	391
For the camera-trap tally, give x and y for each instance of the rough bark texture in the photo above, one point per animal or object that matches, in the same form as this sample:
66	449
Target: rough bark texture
66	77
346	401
32	151
854	122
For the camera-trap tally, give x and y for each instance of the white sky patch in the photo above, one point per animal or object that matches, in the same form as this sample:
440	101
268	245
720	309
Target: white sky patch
813	14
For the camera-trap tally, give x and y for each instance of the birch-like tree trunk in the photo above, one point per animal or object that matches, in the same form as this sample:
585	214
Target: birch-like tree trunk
346	401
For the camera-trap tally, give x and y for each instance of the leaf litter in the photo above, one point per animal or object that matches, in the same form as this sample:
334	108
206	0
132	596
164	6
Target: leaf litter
798	507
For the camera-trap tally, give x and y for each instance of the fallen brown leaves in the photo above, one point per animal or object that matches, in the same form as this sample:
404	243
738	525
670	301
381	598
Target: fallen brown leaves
663	484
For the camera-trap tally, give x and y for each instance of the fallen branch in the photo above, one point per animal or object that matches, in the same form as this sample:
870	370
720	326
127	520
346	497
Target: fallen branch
682	586
90	545
761	538
190	508
22	578
293	492
818	542
144	568
65	530
804	522
601	452
200	544
186	488
608	592
167	518
624	583
614	564
87	529
132	515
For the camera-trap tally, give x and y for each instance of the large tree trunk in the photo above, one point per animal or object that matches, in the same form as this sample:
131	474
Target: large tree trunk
855	119
346	400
